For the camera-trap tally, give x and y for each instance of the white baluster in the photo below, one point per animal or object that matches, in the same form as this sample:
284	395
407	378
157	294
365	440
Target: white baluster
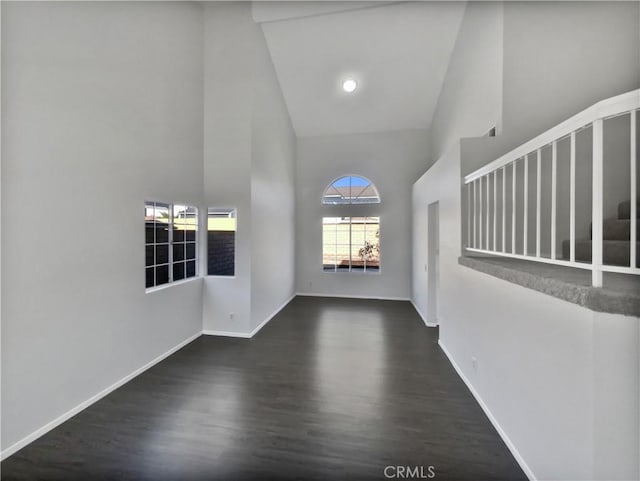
504	208
525	240
538	192
513	208
495	209
487	246
634	194
572	200
475	211
554	162
596	207
480	220
469	215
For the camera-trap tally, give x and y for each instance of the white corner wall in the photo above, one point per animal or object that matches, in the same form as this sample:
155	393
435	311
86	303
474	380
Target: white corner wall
93	125
470	101
392	161
228	96
249	156
272	194
560	382
469	105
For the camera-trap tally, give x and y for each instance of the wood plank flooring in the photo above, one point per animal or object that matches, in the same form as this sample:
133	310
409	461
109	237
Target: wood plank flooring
330	389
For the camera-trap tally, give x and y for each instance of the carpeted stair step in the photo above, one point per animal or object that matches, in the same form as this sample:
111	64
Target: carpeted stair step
615	252
624	210
617	229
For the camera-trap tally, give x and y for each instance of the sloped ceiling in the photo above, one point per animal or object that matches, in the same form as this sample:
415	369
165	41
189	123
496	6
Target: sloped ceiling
398	53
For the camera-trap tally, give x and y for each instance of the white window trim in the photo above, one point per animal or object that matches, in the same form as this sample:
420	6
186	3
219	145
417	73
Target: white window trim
161	287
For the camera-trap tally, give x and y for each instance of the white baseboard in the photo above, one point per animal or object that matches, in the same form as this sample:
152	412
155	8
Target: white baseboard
422	316
341	296
273	314
244	335
248	335
85	404
514	451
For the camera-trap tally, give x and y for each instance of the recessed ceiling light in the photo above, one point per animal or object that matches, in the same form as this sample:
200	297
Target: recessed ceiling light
349	85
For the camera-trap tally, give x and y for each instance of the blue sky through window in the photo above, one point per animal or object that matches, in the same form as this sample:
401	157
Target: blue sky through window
351	180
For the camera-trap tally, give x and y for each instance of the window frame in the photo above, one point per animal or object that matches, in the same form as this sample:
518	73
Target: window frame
233	210
350	209
171	242
378	199
350	269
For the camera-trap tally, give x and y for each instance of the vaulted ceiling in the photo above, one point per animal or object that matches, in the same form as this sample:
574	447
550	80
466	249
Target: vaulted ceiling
398	53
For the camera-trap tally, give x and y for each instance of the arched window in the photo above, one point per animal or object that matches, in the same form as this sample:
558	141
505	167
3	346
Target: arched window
351	189
351	243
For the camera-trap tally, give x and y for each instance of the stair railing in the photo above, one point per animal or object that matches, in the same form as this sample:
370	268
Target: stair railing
488	202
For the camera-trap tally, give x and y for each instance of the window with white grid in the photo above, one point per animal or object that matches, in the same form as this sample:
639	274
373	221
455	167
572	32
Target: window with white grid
351	244
171	245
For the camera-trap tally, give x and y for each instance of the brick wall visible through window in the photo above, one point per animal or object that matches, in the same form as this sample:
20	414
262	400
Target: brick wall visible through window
171	245
221	242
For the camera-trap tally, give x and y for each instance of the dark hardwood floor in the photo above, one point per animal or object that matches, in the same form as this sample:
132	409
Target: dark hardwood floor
330	389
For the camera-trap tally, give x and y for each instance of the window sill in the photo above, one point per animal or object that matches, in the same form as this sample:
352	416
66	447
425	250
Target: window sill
355	273
620	294
162	287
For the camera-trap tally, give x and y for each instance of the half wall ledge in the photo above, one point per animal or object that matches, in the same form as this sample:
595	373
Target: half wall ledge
619	295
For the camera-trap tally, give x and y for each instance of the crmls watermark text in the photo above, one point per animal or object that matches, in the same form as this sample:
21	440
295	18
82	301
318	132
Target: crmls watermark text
410	472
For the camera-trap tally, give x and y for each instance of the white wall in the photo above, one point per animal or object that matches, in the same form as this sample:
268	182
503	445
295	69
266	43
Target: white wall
470	104
560	58
249	155
228	95
93	125
565	56
392	161
540	372
560	380
272	194
616	399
